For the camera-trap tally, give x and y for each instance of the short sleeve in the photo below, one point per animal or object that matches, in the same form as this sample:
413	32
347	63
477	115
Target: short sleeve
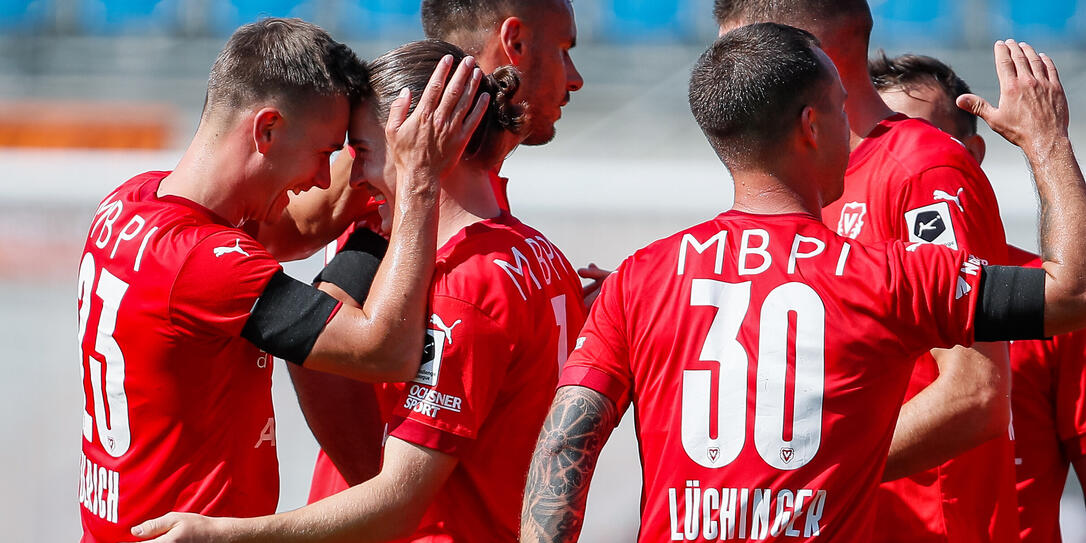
1070	357
954	207
935	292
601	359
219	283
465	360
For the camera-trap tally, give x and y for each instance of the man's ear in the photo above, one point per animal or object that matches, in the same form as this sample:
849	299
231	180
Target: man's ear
267	125
513	36
976	147
808	132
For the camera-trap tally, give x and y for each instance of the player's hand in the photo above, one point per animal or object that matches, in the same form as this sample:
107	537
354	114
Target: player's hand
429	142
181	528
1032	112
592	290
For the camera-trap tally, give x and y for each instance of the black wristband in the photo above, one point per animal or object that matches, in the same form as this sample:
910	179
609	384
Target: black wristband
1011	304
288	317
355	266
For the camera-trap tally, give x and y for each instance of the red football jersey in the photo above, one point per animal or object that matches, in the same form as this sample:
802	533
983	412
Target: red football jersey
178	410
505	310
766	358
910	181
1048	403
326	478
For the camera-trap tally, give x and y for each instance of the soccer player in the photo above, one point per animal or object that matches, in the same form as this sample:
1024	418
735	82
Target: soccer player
766	356
504	308
180	310
534	36
950	468
1048	397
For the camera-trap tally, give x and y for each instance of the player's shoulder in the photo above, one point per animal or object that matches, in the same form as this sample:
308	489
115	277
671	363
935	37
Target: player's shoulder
916	146
498	259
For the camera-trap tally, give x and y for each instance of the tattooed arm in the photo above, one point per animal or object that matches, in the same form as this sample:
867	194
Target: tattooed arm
579	423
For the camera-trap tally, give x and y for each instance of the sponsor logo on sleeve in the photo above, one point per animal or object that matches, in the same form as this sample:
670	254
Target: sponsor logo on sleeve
971	267
956	198
235	248
432	350
429	402
852	219
580	342
932	224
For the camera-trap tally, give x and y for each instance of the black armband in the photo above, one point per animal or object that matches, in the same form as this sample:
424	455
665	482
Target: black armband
288	317
355	266
1011	304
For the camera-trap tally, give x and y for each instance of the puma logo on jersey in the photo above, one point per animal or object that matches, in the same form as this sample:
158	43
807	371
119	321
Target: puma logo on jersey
219	251
436	321
957	198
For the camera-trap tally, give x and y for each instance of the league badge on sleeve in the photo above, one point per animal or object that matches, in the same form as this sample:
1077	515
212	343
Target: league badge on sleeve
432	350
932	224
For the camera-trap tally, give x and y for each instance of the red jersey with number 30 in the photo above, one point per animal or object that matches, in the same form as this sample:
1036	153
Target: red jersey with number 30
912	182
1048	402
766	359
505	309
177	413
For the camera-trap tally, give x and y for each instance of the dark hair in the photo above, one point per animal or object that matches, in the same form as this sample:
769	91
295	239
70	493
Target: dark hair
288	59
461	21
906	72
789	11
749	88
411	66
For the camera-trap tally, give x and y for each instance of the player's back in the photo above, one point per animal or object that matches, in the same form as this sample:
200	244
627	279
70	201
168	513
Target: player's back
178	411
505	309
767	362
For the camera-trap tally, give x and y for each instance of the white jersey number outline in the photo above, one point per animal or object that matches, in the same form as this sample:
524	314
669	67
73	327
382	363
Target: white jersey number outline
732	301
114	432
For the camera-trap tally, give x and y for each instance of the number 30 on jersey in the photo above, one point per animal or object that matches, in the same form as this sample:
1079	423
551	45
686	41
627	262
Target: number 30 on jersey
722	346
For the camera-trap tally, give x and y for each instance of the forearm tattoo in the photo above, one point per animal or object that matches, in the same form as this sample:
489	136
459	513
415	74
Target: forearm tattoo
579	423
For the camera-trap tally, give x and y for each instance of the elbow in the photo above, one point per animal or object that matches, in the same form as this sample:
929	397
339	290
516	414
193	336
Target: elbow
396	361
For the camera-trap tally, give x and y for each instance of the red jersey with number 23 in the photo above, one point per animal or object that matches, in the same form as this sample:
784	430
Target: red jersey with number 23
1048	403
505	309
766	359
177	406
912	182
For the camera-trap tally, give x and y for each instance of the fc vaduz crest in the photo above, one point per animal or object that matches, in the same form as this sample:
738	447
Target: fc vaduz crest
787	454
852	219
714	453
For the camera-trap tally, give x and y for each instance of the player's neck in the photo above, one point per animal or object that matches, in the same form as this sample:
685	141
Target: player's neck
864	106
210	177
769	193
467	197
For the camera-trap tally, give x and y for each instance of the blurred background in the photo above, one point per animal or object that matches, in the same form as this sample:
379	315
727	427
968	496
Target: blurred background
93	92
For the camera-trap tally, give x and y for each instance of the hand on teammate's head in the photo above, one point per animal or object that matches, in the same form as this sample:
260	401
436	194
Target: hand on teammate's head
433	137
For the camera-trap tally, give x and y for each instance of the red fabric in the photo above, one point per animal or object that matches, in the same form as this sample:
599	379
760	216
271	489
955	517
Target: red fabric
500	185
706	339
1048	402
199	430
909	181
502	289
326	479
